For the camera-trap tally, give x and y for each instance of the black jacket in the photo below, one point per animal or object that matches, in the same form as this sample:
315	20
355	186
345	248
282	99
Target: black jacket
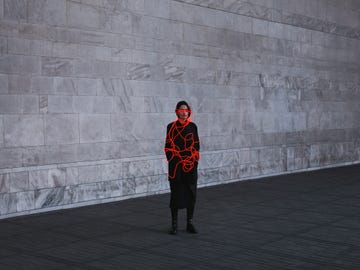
182	147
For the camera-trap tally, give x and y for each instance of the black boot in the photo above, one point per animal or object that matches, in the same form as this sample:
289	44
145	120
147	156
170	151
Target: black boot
190	228
174	215
173	229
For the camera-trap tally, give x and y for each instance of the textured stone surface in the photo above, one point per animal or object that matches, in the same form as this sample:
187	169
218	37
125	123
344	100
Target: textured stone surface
62	129
19	181
1	132
1	9
52	12
283	13
8	203
23	130
85	16
4	84
4	183
15	64
10	104
94	128
25	201
52	66
15	10
49	197
88	87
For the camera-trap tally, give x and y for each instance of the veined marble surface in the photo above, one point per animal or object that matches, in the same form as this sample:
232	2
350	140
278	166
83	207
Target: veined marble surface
87	89
247	8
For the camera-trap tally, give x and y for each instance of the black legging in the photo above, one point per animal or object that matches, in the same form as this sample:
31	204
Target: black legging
189	213
174	214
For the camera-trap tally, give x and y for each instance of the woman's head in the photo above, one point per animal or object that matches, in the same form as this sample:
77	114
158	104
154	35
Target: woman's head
183	110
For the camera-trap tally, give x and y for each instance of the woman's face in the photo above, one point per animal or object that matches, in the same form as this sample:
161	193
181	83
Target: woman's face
183	112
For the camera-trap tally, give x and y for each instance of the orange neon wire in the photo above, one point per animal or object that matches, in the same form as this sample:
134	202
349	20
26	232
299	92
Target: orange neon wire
187	156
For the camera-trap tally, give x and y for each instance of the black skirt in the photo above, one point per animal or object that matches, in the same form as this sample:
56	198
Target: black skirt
183	188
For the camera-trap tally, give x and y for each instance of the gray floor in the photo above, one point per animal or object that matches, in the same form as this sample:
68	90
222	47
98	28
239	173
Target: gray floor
301	221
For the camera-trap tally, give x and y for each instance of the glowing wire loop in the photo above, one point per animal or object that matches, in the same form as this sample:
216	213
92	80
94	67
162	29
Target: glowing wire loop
186	156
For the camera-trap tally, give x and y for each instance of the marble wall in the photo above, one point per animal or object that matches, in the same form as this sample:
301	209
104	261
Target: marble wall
87	88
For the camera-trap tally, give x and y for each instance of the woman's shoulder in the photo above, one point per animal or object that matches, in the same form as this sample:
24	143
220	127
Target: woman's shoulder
171	124
192	124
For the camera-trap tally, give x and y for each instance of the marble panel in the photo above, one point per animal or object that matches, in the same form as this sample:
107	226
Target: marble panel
89	174
19	64
141	185
158	8
93	105
23	130
55	66
95	128
174	74
49	197
64	86
57	177
106	69
15	10
63	50
269	154
19	181
71	176
123	89
62	129
260	27
129	186
115	188
10	157
4	84
87	86
147	167
8	202
18	46
113	171
50	154
87	17
138	72
158	183
52	12
211	160
208	176
123	21
42	85
155	104
11	104
44	104
100	151
136	125
25	201
4	183
192	14
87	192
39	179
1	9
159	28
224	174
242	157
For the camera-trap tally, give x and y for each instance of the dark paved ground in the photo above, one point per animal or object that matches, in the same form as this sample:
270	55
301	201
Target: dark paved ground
301	221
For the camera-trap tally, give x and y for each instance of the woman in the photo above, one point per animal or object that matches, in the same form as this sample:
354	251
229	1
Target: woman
182	152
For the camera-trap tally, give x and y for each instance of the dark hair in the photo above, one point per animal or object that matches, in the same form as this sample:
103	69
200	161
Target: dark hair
180	103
